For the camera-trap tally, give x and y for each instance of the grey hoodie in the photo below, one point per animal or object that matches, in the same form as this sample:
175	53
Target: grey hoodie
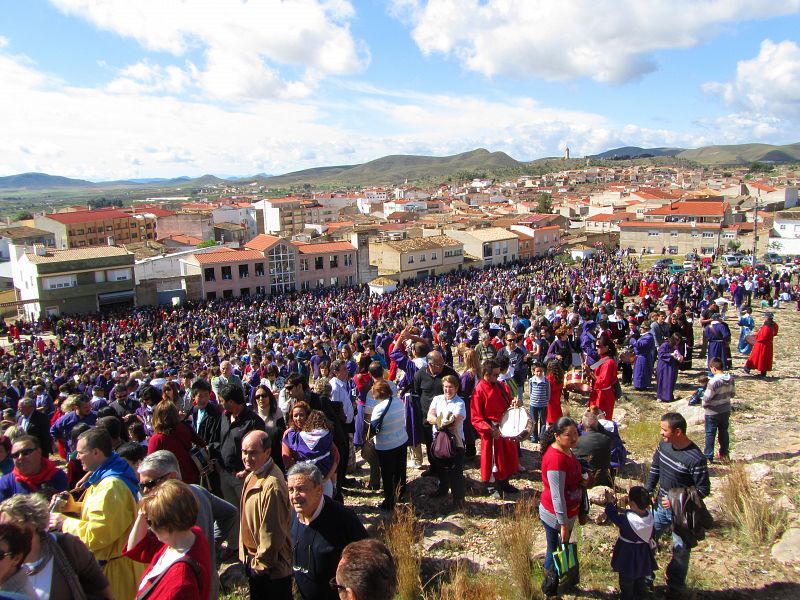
718	394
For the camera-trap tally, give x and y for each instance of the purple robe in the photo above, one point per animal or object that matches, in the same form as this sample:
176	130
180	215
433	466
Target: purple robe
666	373
645	349
718	335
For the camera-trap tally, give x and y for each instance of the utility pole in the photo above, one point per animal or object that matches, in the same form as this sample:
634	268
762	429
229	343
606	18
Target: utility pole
755	229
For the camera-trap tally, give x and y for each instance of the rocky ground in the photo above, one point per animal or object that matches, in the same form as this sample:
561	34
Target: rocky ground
764	435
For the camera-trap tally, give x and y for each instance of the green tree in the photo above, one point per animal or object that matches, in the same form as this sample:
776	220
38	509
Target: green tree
207	244
544	203
22	215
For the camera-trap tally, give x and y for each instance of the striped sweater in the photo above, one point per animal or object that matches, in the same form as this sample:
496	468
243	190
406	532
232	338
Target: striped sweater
673	468
718	394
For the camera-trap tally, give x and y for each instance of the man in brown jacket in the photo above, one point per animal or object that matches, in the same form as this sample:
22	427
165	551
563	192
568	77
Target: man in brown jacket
265	543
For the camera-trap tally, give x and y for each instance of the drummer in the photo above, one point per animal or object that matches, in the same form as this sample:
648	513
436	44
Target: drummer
603	375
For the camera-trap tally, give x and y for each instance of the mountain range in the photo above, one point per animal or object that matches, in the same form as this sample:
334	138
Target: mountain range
396	169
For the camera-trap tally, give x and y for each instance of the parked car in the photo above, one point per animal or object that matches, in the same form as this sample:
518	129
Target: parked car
675	269
662	263
773	259
689	264
747	260
691	256
729	260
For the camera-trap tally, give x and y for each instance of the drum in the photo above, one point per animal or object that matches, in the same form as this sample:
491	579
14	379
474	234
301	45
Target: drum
750	339
515	423
627	356
573	381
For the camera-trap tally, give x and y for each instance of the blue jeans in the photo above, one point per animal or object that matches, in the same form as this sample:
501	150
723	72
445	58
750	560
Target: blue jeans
538	422
717	425
553	542
678	566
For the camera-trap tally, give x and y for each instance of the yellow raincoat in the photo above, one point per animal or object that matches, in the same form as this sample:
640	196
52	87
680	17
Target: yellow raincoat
107	515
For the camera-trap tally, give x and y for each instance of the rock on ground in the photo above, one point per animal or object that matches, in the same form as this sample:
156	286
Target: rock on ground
787	549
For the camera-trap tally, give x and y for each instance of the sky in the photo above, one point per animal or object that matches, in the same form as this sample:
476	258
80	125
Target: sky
115	89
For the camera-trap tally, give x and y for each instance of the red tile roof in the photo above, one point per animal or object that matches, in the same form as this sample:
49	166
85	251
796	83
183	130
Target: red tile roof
325	248
663	225
697	208
261	242
227	255
180	238
606	217
87	216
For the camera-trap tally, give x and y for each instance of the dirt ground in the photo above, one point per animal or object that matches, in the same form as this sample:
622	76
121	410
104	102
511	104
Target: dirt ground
763	432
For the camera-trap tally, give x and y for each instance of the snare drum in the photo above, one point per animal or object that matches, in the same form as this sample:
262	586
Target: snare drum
515	423
573	379
750	339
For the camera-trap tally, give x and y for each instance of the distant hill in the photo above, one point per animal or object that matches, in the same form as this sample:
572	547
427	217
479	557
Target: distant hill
743	154
629	152
41	181
397	168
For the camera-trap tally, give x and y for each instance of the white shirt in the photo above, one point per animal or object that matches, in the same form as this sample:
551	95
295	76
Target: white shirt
455	407
341	394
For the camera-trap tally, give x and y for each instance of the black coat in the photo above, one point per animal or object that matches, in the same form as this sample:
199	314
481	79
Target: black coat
39	427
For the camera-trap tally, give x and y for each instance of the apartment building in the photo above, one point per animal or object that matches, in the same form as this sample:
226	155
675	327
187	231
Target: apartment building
417	258
327	264
227	273
81	280
109	226
490	245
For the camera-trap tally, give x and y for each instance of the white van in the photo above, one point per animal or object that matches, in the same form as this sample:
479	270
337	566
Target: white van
729	260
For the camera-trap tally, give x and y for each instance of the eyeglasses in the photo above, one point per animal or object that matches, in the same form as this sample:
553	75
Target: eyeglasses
23	452
260	396
149	485
335	586
4	553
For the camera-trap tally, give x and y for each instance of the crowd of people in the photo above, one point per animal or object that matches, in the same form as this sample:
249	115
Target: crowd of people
142	450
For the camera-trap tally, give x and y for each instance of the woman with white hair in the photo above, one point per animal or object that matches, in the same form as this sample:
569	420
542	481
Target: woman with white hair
59	565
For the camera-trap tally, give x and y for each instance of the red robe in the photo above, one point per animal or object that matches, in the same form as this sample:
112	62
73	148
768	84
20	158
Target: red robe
760	358
603	392
489	402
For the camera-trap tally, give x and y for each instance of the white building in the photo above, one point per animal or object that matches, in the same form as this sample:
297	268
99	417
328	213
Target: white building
784	238
239	214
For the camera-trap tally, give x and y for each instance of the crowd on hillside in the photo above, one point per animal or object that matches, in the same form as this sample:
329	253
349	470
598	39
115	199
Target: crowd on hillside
142	450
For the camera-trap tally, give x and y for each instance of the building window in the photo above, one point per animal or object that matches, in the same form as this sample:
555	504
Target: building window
674	234
119	274
304	264
79	232
208	274
334	281
211	295
320	283
281	268
226	273
244	271
306	285
334	262
227	294
422	258
244	292
99	276
487	251
652	233
349	280
134	235
318	263
411	260
109	228
260	290
782	227
259	269
59	282
433	255
348	260
81	244
708	235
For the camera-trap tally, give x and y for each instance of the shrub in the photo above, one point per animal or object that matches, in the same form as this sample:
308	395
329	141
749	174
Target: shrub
402	535
516	543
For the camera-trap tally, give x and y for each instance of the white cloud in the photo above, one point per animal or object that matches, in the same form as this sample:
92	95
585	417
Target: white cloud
245	44
132	132
768	84
605	40
145	77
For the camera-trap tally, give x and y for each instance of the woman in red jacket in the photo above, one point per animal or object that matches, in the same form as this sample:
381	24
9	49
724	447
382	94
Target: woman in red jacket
176	436
760	357
164	535
603	375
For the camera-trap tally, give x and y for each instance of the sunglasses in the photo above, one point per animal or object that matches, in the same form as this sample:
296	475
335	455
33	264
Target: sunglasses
335	586
23	452
149	485
260	396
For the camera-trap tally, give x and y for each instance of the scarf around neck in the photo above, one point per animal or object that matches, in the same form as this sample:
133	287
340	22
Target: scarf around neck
33	482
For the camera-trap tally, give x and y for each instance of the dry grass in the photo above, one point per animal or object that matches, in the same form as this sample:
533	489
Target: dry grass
641	438
751	514
402	535
464	585
516	543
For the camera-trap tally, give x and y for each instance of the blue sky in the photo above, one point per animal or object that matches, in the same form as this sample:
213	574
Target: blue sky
114	89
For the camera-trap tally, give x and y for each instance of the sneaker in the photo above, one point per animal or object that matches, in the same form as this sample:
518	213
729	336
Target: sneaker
428	473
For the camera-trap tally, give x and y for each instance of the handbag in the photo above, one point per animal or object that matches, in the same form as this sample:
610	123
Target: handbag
443	447
566	564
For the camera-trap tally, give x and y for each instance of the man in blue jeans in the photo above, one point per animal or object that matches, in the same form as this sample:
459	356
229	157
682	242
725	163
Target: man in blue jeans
677	462
717	407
